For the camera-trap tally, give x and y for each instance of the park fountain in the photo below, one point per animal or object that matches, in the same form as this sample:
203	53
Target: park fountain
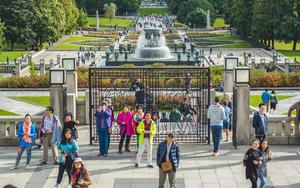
152	45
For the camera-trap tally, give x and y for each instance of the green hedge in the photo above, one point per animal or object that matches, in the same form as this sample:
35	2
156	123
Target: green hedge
149	11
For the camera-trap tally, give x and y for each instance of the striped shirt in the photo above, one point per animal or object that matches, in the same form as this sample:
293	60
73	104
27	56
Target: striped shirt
48	123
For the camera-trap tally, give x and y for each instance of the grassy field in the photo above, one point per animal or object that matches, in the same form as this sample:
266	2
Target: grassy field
78	38
11	55
285	46
291	54
226	38
105	22
66	47
35	100
148	11
256	99
6	113
219	22
236	45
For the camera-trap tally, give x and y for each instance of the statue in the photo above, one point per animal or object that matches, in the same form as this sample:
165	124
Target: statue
296	107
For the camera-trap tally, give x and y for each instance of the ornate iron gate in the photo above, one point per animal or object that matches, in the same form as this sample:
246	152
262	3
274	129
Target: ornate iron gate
234	117
183	92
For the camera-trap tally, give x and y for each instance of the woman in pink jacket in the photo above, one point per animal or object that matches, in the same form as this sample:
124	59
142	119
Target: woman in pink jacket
125	122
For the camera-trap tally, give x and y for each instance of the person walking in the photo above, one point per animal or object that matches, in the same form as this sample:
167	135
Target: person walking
70	124
103	125
252	160
68	149
216	116
126	129
266	98
137	118
273	101
26	134
50	133
260	123
80	176
167	159
175	119
147	130
226	122
267	156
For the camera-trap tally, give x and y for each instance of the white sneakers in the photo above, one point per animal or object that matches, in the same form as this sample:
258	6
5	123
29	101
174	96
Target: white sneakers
57	186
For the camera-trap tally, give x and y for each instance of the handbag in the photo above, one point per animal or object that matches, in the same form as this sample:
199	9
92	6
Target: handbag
166	166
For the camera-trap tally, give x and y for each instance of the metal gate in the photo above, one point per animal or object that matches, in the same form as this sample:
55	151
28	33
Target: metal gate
234	117
165	92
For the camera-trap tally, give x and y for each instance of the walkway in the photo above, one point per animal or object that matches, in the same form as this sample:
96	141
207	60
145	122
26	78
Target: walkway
197	168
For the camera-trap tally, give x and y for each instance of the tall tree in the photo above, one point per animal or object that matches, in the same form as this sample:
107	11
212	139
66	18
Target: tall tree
128	6
82	19
110	11
71	14
197	18
2	39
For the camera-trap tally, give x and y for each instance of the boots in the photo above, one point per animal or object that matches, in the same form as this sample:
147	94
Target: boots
121	146
127	144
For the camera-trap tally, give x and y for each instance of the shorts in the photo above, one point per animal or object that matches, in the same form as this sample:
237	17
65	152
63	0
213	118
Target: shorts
226	125
273	106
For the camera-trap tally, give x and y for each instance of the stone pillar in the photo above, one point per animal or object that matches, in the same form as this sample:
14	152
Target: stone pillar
72	82
18	69
71	104
287	67
42	69
253	64
208	20
29	58
97	21
59	61
275	57
58	100
228	81
262	66
87	107
243	127
51	63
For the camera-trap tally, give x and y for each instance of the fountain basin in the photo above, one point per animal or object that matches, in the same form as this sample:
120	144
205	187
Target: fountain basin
161	52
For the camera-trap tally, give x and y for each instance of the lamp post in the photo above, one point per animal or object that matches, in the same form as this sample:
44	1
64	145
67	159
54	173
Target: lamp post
42	67
229	63
58	91
287	65
241	102
262	64
58	60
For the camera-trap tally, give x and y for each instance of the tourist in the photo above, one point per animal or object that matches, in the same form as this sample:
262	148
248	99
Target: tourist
112	118
260	123
103	123
80	176
164	119
267	156
137	118
126	129
188	113
266	98
226	121
252	160
273	101
50	133
68	149
216	116
175	119
147	130
71	124
26	134
167	159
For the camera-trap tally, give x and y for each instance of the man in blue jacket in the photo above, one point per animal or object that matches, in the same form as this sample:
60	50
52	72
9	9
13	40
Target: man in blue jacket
167	152
266	97
103	125
260	123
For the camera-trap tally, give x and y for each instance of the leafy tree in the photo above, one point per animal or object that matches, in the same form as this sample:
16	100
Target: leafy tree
197	18
82	19
218	5
2	39
128	6
110	11
71	14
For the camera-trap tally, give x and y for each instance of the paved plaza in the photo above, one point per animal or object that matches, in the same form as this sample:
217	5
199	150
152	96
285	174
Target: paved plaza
197	168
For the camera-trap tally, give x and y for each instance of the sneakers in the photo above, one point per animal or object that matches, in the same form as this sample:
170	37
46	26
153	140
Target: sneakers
105	155
127	150
120	152
149	166
27	167
43	163
14	168
56	186
136	165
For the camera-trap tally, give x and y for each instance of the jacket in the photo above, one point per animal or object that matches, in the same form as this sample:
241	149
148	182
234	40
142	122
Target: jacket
56	129
257	124
85	177
106	115
174	154
175	116
127	118
250	156
21	133
141	129
71	149
265	97
216	115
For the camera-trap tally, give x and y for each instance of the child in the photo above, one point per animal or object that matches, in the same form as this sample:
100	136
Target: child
80	176
267	156
252	160
70	124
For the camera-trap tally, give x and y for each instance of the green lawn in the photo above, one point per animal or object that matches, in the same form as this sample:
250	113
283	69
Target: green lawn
285	46
255	100
226	38
148	11
78	38
291	54
66	47
235	45
35	100
105	22
293	113
6	113
11	55
219	22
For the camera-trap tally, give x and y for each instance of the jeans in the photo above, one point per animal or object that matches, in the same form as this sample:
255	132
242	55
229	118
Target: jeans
163	176
103	140
20	152
65	166
217	136
262	181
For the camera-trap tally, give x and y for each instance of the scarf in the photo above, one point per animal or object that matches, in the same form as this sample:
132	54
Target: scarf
74	176
26	129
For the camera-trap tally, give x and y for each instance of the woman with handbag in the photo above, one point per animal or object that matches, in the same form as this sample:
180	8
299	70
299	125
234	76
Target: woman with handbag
68	153
167	160
26	134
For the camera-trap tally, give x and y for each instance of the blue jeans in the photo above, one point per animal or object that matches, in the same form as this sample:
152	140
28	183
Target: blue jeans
103	140
262	181
217	136
20	152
